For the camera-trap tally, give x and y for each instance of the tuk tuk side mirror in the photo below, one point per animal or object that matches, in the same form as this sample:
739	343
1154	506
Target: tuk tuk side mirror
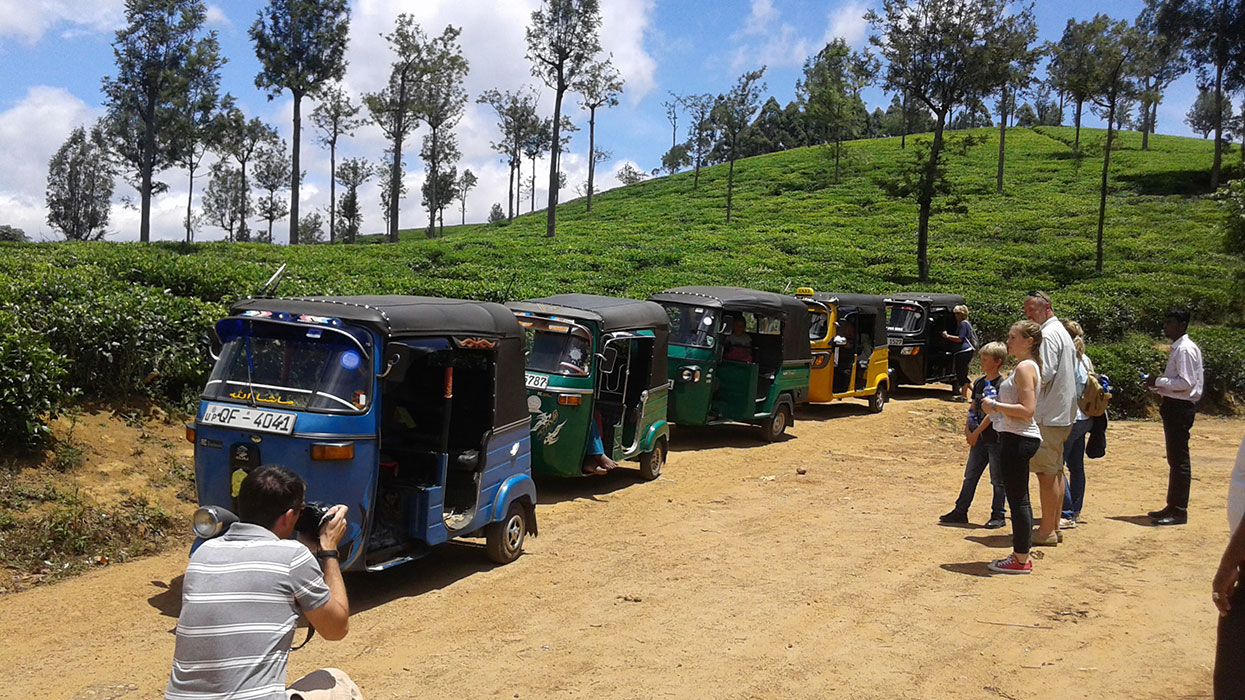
838	341
215	344
397	361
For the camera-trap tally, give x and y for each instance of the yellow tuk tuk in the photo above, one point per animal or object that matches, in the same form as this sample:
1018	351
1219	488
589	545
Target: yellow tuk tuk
847	336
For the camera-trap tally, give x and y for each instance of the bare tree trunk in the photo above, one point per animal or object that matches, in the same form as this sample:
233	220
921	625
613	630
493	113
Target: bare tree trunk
148	157
395	187
592	151
532	189
333	190
925	199
551	214
1218	162
190	198
511	200
998	187
298	115
730	185
432	194
1076	145
1145	118
1102	190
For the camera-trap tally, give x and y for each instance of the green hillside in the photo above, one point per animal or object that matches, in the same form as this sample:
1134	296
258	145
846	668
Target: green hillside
113	313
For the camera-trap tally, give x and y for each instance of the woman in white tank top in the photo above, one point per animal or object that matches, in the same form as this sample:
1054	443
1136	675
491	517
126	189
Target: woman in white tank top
1019	439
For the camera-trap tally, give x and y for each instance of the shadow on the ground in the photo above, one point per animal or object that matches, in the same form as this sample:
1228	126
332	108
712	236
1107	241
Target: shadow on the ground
830	411
995	541
687	438
1142	520
968	568
550	490
445	565
169	600
941	392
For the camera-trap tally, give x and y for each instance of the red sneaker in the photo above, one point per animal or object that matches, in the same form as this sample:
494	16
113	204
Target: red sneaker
1010	566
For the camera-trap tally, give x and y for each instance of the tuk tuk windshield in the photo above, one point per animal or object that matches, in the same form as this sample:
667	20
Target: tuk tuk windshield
294	367
693	326
557	353
818	324
906	318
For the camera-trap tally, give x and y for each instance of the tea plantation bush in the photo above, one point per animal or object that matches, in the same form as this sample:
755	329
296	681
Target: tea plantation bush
30	383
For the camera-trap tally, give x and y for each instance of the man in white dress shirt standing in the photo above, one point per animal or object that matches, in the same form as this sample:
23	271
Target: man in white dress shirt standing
1181	387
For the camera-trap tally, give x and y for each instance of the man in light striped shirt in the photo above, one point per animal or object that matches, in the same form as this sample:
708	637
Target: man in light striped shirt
242	594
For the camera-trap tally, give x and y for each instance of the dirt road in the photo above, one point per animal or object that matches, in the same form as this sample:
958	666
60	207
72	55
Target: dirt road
737	577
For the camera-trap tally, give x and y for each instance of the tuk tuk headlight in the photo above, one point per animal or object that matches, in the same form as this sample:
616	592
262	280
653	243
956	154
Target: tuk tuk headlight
911	350
210	521
689	375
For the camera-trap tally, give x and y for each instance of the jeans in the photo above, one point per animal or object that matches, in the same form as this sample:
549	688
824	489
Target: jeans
979	456
1177	421
1016	453
1074	458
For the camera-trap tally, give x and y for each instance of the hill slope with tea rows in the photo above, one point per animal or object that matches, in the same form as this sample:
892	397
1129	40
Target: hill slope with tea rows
105	320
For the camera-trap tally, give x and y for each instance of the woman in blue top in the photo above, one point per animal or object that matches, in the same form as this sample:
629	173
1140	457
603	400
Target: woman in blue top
964	355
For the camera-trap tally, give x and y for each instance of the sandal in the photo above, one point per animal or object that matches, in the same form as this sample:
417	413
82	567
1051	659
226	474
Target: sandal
1049	541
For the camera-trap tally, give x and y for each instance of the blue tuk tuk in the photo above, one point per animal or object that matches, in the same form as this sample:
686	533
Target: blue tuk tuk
409	410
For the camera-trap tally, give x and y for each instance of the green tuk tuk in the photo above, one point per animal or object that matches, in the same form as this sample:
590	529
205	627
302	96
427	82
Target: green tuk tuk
736	355
596	371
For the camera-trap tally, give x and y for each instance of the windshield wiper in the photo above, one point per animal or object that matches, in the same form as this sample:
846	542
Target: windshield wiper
250	386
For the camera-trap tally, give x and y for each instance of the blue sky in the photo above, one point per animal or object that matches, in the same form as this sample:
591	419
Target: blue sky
54	53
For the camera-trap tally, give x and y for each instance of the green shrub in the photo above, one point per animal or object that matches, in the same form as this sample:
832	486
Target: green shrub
1223	364
30	389
1124	362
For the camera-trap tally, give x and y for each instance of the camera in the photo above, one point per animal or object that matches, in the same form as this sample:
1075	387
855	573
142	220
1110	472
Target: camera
314	515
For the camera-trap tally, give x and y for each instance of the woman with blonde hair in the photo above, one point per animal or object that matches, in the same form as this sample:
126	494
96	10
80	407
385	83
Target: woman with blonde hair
1019	439
963	356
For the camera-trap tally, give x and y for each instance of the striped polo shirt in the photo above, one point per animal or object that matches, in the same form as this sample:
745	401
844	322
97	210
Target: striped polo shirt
240	601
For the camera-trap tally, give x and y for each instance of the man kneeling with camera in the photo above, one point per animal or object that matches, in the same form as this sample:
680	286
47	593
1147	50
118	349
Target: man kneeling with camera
243	592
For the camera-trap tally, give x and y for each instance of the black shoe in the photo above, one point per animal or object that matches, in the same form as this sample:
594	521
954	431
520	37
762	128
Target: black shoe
954	516
1156	514
1174	518
994	523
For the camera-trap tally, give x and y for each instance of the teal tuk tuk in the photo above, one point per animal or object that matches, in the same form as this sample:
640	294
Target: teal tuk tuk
736	355
595	364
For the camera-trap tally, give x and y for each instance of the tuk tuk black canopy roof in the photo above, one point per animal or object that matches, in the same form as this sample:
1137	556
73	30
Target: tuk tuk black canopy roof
867	300
927	299
609	313
792	311
394	315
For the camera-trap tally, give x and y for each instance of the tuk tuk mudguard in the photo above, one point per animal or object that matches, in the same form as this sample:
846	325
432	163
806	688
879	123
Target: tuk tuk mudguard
518	487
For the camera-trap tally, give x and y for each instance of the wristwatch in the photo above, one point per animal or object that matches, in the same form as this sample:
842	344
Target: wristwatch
326	554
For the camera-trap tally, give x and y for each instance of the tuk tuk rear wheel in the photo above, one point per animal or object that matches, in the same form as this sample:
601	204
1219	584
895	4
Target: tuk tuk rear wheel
878	400
503	541
777	423
651	463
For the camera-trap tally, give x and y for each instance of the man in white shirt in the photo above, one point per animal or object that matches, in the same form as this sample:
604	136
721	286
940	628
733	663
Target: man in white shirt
1181	387
1055	413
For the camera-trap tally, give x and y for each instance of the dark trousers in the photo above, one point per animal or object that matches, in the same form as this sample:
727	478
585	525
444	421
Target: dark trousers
1016	453
1177	421
1230	651
962	360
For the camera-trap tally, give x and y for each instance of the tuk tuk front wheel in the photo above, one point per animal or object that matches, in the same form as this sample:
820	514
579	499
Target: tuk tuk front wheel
651	463
777	423
503	541
878	400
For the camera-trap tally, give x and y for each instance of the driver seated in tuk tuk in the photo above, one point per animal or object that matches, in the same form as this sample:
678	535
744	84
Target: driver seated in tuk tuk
739	342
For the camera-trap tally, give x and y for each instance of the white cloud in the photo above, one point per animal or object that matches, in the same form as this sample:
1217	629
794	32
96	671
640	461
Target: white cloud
216	17
847	22
625	24
763	14
28	21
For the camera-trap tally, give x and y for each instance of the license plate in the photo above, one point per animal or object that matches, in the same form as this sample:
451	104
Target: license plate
536	381
249	419
894	341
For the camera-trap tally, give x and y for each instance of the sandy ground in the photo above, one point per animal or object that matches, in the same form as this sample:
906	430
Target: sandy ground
736	577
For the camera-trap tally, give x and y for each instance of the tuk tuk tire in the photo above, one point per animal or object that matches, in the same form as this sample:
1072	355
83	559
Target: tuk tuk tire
651	463
776	426
503	541
879	398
